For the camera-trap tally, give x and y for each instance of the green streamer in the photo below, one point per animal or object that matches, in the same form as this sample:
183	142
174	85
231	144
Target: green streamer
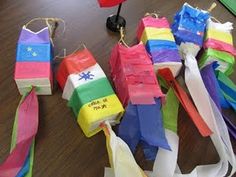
218	55
13	141
170	111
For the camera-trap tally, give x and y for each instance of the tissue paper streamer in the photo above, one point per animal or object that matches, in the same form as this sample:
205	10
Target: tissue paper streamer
156	34
185	101
139	91
120	157
194	21
214	91
228	89
33	61
18	162
88	91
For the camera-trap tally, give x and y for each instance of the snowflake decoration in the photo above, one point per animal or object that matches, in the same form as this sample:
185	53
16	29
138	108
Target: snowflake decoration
86	76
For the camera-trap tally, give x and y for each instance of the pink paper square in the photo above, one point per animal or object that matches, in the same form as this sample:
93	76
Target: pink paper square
29	70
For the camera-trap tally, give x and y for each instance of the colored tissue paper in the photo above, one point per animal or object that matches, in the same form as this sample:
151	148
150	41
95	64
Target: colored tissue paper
19	162
88	92
189	25
214	90
186	102
219	47
139	91
156	34
133	75
27	168
228	89
120	157
33	62
150	21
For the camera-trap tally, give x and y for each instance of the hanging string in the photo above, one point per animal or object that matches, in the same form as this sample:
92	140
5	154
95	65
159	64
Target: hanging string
52	24
122	36
59	57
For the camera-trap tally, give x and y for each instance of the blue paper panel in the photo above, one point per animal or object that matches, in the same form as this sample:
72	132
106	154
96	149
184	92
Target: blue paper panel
185	36
144	123
34	53
151	125
227	90
150	152
189	19
154	45
211	84
129	129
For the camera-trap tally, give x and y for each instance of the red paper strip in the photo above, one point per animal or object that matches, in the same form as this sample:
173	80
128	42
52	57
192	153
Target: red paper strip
26	131
219	45
74	63
185	101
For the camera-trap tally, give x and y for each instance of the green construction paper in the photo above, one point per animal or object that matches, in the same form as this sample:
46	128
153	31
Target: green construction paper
230	4
13	141
223	78
220	55
162	82
89	92
227	97
170	111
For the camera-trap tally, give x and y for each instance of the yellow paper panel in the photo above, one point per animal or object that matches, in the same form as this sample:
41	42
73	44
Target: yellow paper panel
219	35
151	33
97	111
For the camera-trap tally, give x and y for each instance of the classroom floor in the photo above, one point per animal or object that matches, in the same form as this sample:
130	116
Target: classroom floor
62	150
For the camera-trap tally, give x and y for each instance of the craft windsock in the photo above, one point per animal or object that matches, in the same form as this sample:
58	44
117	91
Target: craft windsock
88	92
33	61
188	28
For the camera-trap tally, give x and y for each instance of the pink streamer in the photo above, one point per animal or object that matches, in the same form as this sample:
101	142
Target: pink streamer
26	131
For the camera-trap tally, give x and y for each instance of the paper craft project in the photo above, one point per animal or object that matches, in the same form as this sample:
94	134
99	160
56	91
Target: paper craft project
219	50
33	61
137	88
160	44
156	35
88	91
33	77
188	28
219	47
